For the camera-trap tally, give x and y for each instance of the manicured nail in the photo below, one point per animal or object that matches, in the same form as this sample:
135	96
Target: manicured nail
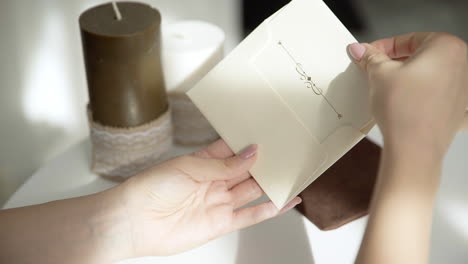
299	200
291	205
356	50
248	152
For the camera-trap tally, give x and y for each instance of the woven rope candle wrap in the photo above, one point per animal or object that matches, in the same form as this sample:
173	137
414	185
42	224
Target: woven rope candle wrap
119	153
128	111
191	50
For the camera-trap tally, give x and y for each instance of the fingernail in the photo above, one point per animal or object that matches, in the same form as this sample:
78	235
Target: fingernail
291	205
299	200
356	50
249	152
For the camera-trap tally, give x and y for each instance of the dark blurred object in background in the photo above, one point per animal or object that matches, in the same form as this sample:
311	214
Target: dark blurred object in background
255	11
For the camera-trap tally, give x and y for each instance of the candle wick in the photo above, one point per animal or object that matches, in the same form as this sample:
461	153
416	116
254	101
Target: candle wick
118	16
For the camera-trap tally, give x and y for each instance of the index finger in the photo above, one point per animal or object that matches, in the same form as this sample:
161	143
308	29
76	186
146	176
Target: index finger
403	45
221	150
249	216
217	150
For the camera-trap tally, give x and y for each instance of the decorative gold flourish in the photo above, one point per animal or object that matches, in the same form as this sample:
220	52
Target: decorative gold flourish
308	80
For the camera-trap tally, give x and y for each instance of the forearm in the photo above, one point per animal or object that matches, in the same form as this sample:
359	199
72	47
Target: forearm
81	230
400	218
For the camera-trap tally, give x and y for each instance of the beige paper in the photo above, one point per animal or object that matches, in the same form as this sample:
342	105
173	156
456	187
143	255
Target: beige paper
291	88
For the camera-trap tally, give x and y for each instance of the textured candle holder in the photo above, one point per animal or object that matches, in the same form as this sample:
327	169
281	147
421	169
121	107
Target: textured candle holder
191	50
191	127
119	153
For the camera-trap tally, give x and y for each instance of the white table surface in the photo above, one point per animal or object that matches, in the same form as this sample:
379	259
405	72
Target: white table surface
287	239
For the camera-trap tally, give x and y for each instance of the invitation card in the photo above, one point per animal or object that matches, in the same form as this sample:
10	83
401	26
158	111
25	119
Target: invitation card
290	87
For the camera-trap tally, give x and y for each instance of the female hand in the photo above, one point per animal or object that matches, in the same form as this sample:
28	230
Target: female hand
419	88
419	97
187	201
170	208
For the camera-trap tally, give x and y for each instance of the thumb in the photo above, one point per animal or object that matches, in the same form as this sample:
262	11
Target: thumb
368	57
208	169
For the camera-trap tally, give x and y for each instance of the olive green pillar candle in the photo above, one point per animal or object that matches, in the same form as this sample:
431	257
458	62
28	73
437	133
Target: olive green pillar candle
122	55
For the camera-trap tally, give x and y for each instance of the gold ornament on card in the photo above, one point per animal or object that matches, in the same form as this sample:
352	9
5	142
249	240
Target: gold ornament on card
308	80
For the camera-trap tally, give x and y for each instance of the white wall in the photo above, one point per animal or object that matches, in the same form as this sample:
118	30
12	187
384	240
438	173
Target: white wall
42	80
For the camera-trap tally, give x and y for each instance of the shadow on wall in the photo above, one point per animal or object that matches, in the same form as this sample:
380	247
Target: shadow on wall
44	92
388	18
39	106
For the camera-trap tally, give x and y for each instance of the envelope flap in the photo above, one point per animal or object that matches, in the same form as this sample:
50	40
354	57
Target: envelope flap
305	109
245	110
324	88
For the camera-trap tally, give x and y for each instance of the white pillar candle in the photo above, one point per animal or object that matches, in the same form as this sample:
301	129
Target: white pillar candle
190	50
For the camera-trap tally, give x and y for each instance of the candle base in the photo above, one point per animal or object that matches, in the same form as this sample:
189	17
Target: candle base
119	153
190	126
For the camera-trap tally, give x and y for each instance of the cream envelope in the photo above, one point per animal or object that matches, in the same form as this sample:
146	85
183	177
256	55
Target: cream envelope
291	88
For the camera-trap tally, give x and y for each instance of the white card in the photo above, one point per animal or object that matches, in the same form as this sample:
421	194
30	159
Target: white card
291	88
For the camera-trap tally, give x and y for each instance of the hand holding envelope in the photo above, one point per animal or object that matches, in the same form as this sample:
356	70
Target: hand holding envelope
291	88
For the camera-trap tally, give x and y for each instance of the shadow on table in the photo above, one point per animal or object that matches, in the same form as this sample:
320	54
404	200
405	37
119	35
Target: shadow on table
449	241
450	230
277	241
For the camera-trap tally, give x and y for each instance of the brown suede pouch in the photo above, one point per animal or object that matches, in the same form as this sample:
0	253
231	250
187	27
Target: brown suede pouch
343	193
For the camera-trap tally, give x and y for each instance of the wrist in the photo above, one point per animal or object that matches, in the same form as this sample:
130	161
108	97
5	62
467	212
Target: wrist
416	150
411	169
420	144
111	229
